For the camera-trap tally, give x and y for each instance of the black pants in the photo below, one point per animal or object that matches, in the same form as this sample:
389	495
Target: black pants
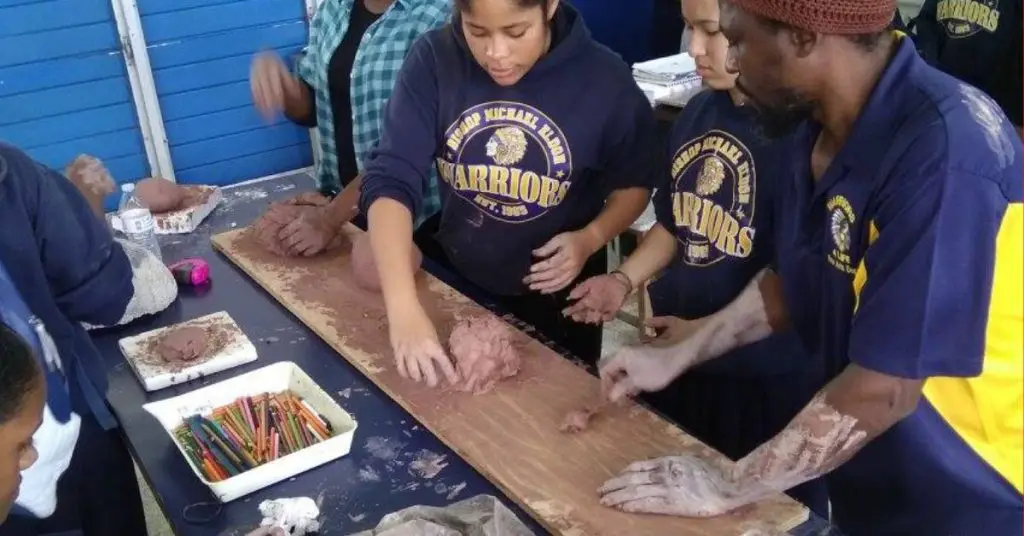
97	496
542	312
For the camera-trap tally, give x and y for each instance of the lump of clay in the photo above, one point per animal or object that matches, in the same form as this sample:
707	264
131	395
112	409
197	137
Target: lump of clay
576	421
364	268
484	353
160	195
267	228
182	344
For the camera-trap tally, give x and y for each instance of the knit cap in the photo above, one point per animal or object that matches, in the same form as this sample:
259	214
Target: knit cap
836	17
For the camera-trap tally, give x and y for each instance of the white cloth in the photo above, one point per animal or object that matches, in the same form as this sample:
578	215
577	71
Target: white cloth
297	516
154	286
55	443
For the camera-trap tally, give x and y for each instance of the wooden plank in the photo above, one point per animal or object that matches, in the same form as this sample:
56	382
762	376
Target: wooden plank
511	434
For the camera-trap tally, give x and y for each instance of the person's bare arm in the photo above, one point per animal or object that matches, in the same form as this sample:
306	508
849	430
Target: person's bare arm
345	205
620	211
755	314
298	104
655	252
852	410
390	224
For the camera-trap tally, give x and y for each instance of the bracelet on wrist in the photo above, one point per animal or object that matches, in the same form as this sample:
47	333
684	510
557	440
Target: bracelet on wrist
622	277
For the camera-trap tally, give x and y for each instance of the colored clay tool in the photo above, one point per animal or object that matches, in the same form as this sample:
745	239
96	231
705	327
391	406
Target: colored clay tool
190	271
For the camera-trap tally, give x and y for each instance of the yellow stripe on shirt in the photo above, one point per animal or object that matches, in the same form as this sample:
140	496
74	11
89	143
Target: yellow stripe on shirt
860	277
986	411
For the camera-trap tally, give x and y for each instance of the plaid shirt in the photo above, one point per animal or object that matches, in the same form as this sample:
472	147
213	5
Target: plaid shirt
374	71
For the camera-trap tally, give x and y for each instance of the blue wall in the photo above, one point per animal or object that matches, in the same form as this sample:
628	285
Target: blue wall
64	87
200	52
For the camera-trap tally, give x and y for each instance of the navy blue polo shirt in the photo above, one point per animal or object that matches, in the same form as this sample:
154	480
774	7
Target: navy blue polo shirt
721	183
906	259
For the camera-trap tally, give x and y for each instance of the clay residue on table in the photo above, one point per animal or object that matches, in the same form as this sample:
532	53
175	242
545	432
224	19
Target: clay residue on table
511	435
484	352
218	336
326	282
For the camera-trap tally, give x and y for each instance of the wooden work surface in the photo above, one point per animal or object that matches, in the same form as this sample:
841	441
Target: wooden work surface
511	435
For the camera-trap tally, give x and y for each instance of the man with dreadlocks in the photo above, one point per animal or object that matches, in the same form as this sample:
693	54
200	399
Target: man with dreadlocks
899	234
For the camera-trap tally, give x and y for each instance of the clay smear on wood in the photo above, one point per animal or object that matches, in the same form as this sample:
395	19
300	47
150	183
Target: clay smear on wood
510	434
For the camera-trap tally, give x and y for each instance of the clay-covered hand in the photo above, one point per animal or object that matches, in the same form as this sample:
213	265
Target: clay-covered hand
267	228
271	84
564	256
675	485
635	369
268	531
92	179
417	349
672	330
598	299
310	233
313	198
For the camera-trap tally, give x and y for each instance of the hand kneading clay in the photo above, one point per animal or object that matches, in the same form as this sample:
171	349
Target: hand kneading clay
267	227
364	268
182	344
160	195
483	351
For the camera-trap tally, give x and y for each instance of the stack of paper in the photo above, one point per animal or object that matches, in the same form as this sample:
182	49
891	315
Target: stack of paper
672	79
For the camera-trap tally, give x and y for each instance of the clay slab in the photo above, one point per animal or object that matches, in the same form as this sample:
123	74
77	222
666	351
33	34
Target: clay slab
234	349
510	434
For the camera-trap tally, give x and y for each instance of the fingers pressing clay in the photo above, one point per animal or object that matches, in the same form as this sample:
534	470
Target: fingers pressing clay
364	268
483	350
267	228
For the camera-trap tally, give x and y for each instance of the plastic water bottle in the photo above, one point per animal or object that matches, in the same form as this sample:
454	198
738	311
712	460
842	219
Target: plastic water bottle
136	221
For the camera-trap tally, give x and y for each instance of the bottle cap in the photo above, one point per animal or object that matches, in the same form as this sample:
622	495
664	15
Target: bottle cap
129	187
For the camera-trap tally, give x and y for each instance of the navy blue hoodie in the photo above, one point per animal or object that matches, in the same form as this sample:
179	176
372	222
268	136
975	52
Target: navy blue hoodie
517	165
67	268
723	179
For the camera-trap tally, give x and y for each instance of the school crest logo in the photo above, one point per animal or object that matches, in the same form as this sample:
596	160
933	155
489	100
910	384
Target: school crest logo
508	159
964	18
713	187
841	218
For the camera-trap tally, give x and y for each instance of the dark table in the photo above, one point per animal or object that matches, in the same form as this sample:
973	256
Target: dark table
355	491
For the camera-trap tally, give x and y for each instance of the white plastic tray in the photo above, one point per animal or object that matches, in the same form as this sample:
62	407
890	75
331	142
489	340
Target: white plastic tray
282	376
238	351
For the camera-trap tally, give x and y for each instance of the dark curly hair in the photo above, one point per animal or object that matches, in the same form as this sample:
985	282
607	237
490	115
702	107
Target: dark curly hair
19	372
